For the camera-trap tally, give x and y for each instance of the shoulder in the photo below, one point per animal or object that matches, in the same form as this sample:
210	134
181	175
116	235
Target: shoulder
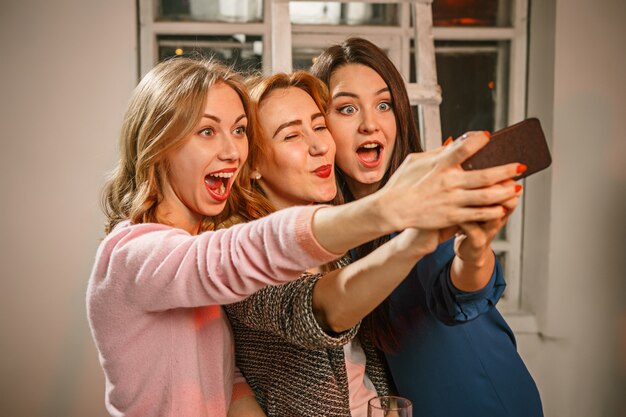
138	240
128	231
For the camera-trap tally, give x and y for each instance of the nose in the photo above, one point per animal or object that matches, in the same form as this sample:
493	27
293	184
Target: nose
229	150
317	146
368	124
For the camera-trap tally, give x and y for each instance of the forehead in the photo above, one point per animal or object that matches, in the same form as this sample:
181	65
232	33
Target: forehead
286	104
222	99
355	78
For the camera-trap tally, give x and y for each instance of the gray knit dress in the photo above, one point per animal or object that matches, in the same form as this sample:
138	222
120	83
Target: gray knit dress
293	366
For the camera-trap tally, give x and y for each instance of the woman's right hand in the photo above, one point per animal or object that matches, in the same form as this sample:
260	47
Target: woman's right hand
417	243
433	191
428	191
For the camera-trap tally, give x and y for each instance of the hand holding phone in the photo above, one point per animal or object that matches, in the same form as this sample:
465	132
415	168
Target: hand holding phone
523	142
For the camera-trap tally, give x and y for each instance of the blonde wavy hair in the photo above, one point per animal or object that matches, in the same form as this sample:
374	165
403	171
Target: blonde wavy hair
163	110
260	88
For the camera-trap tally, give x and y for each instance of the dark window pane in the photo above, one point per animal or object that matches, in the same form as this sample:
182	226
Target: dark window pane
472	12
332	13
502	233
244	52
210	10
474	82
302	58
173	9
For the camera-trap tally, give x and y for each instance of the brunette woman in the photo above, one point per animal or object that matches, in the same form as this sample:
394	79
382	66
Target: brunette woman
445	369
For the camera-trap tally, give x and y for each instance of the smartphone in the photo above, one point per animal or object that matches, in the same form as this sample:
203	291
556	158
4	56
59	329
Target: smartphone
523	142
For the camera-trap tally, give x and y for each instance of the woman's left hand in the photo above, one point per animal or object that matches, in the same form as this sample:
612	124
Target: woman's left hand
474	257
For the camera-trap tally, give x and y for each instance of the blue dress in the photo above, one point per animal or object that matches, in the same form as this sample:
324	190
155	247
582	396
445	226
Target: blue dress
457	355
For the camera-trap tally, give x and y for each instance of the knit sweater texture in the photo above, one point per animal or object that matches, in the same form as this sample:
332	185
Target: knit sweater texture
294	367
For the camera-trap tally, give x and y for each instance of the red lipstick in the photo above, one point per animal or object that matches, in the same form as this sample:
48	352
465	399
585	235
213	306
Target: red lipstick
324	171
218	183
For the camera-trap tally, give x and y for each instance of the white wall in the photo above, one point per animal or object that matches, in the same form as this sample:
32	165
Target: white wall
66	72
65	76
574	224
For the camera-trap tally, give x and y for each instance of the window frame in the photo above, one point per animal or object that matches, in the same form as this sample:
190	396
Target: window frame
397	39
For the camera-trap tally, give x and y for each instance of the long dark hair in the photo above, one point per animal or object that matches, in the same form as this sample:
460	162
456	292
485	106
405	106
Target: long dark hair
364	52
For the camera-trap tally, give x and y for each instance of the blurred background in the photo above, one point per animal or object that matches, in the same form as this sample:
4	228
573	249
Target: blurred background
69	67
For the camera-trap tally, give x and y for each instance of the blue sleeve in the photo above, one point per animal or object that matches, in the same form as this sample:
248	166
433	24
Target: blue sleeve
443	300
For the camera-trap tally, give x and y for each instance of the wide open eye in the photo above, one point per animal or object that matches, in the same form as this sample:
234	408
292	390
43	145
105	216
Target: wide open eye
384	106
349	109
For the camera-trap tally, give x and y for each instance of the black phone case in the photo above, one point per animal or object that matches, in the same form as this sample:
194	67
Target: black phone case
523	142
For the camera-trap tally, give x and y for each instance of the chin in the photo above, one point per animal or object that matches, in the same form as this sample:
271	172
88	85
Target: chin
213	209
371	177
327	194
325	198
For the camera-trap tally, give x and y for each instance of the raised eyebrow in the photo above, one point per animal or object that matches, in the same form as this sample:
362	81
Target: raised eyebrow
210	116
344	94
382	90
316	116
243	116
348	94
218	120
287	124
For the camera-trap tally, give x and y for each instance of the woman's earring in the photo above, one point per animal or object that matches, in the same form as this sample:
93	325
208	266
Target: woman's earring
256	175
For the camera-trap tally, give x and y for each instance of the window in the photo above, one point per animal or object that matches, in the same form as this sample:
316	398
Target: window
479	51
472	13
244	52
473	76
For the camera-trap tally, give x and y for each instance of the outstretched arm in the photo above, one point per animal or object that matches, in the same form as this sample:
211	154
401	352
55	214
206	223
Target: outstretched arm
447	194
430	191
343	297
286	312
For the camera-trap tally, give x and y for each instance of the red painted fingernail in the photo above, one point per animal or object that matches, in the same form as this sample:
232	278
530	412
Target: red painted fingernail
521	168
487	133
448	141
518	188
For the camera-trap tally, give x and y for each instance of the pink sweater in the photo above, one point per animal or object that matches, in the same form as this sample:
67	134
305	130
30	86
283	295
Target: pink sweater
153	304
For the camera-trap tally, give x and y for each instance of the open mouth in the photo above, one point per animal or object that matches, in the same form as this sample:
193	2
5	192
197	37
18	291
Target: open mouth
370	154
217	184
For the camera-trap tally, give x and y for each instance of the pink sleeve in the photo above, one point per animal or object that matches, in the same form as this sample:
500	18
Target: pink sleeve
161	267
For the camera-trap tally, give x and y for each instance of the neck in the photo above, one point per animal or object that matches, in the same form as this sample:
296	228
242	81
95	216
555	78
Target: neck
359	189
279	202
173	212
168	215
